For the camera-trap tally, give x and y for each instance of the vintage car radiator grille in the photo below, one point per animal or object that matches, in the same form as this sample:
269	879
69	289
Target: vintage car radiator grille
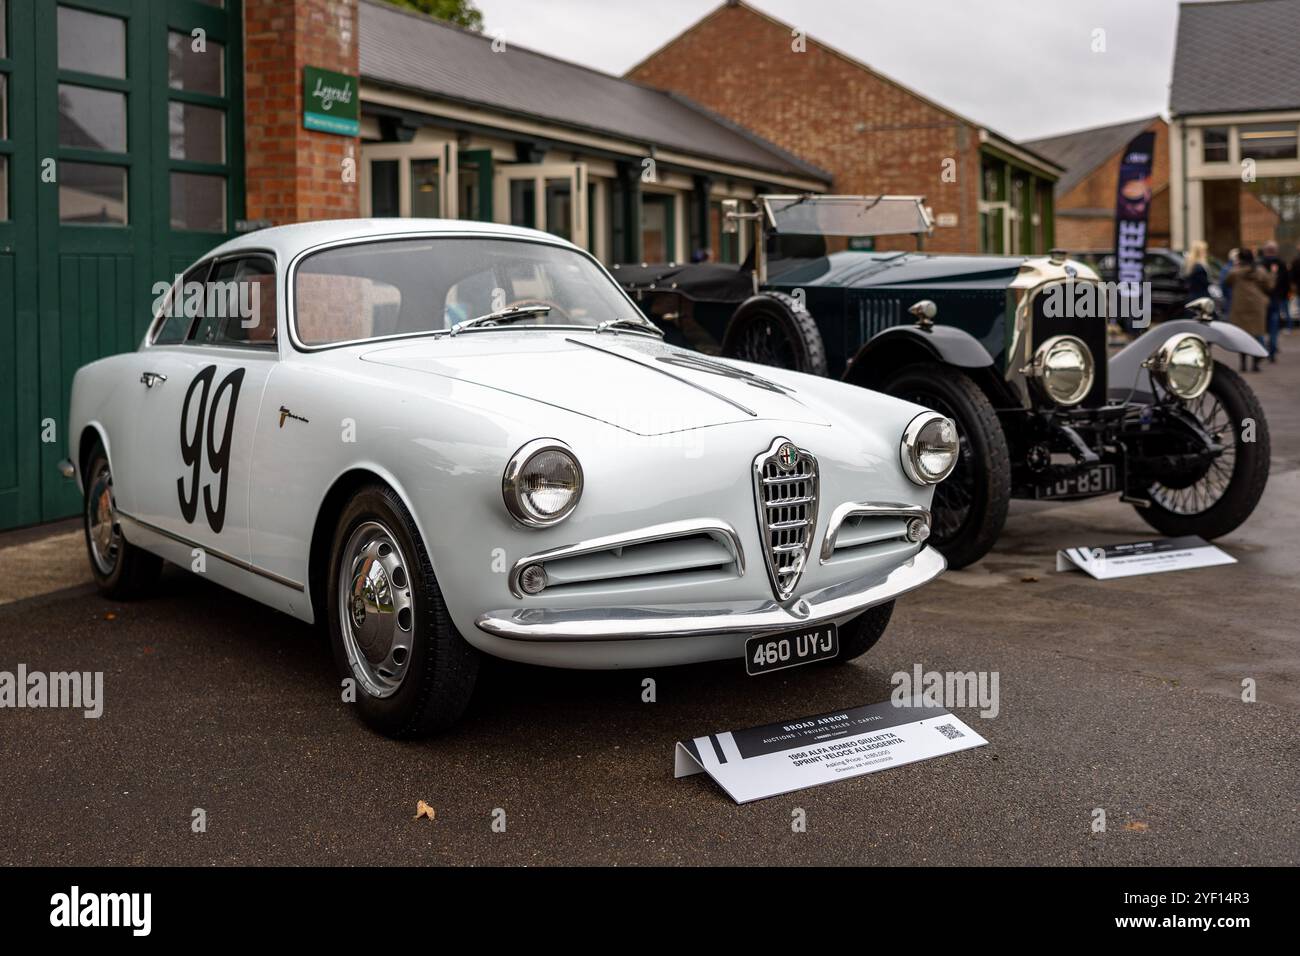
785	485
1091	329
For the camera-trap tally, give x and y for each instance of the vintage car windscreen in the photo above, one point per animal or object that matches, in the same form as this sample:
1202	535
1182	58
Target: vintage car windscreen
847	215
408	286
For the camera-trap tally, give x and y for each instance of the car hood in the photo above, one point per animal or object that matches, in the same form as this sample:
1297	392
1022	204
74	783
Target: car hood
629	380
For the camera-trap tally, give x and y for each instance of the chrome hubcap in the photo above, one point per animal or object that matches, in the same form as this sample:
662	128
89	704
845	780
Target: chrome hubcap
105	534
376	613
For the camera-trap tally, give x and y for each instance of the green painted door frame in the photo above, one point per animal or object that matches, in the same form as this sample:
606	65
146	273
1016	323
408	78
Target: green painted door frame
81	291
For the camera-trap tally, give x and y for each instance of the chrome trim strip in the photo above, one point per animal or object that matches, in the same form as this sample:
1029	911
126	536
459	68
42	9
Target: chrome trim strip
837	602
658	532
663	371
228	558
872	509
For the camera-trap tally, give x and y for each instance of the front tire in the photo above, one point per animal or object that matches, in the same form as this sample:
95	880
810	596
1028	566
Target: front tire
863	632
970	505
389	626
121	570
1224	497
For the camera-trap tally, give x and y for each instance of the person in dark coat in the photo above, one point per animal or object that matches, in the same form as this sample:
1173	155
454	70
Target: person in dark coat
1196	271
1250	287
1278	294
1226	289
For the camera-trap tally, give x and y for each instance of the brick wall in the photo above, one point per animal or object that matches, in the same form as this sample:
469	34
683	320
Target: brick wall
292	173
1097	191
872	135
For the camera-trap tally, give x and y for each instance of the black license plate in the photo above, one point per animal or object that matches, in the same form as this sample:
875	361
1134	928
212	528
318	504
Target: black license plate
775	652
1097	480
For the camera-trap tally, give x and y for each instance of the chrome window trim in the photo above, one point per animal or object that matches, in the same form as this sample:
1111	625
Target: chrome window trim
872	509
659	532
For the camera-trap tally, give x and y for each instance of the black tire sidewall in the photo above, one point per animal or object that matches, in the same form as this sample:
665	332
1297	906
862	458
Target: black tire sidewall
799	326
864	632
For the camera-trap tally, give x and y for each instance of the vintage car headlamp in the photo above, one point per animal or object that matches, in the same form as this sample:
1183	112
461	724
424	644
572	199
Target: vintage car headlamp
1063	368
1183	365
542	483
929	450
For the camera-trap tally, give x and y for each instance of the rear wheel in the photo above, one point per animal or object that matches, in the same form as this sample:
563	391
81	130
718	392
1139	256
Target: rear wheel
970	505
1222	496
121	570
863	632
389	625
772	329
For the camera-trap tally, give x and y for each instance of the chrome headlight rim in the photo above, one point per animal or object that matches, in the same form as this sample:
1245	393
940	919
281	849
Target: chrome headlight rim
1039	371
909	454
1163	358
512	490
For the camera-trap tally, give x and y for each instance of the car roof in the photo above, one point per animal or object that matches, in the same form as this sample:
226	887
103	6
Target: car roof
288	241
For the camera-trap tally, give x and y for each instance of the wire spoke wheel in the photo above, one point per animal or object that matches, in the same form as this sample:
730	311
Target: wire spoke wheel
1203	494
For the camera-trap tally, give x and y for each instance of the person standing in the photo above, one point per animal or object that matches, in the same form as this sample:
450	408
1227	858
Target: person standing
1223	281
1279	292
1196	271
1249	286
1295	292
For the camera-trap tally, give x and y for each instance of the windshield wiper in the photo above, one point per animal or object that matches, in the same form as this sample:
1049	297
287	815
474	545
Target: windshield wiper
501	316
613	325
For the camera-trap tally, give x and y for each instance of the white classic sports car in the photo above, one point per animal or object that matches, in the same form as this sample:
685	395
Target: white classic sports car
442	439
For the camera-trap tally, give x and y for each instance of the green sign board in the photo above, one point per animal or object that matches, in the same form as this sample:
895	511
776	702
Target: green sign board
330	102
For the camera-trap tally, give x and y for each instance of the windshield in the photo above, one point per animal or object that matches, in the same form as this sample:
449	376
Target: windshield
406	286
847	215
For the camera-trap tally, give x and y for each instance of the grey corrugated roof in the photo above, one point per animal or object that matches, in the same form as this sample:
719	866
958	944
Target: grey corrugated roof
409	50
1083	151
1238	56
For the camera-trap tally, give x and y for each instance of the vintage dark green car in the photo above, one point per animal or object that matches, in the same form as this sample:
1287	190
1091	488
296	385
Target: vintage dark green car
1014	349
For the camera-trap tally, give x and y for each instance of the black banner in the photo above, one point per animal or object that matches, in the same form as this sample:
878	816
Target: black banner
1132	209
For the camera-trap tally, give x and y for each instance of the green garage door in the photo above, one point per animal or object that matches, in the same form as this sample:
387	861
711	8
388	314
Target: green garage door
120	162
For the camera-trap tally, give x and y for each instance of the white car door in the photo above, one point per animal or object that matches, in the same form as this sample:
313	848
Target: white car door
194	445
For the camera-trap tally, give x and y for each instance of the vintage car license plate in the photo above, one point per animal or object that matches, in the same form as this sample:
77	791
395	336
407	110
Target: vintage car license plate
774	652
1097	480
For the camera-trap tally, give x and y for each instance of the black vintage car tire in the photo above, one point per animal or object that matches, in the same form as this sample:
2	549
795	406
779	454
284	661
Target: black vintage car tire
983	472
131	572
771	329
1249	473
443	668
863	632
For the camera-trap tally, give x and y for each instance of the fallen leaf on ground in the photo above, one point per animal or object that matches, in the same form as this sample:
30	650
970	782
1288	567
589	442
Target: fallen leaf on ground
422	809
1029	579
1137	825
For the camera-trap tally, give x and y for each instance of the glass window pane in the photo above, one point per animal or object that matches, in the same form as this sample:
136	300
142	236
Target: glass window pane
92	119
523	206
4	39
199	71
424	189
198	202
4	101
92	43
184	304
92	193
4	188
1215	144
1268	141
383	188
197	133
559	208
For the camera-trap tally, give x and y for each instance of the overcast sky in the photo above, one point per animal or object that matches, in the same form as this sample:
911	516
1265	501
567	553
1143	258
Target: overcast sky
1025	68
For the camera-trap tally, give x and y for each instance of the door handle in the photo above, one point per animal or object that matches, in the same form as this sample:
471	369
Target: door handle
151	379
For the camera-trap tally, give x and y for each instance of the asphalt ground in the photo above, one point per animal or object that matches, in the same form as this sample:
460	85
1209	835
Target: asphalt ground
1122	695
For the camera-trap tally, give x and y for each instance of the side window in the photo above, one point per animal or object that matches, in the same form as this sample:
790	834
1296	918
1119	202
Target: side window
241	305
184	303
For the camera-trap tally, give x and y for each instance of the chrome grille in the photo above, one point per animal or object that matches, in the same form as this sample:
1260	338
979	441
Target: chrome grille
785	488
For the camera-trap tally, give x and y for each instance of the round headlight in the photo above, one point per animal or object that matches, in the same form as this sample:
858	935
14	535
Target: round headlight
542	483
930	446
1183	365
1064	369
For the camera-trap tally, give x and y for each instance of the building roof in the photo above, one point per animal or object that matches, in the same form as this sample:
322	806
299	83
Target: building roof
409	50
1236	56
992	136
1084	150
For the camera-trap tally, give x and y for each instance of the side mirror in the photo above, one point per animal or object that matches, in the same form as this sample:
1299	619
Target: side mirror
730	216
924	311
1204	308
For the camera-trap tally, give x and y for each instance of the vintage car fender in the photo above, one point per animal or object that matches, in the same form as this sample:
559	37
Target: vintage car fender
947	344
1125	371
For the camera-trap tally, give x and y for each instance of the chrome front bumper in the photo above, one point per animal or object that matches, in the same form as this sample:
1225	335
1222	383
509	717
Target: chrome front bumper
838	602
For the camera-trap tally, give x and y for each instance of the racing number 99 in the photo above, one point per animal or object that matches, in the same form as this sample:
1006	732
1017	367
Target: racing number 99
203	439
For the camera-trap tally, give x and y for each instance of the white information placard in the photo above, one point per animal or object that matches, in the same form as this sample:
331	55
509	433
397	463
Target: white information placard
1143	557
778	758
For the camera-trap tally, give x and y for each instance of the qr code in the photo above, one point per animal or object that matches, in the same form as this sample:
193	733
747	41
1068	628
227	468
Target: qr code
949	731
